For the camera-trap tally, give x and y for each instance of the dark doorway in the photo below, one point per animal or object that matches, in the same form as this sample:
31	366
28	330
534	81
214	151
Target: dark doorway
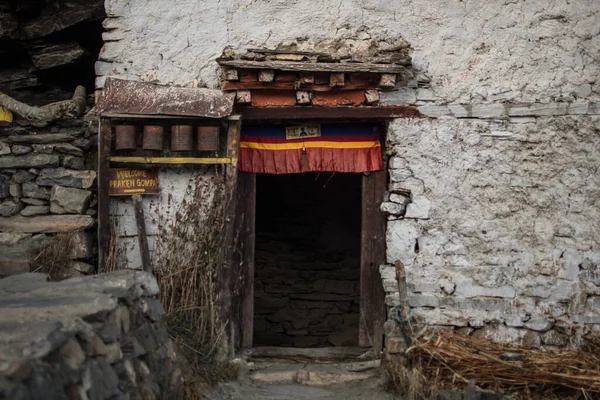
308	257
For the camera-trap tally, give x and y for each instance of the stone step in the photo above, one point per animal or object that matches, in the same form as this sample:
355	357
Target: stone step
314	374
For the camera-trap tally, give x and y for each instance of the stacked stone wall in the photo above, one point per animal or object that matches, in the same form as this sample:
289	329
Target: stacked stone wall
96	337
47	186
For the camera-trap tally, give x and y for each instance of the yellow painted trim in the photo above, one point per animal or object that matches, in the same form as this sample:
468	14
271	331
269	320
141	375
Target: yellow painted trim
170	160
313	145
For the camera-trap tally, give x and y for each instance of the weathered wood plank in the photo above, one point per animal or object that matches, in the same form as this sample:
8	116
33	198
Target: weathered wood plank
104	138
322	353
372	295
130	97
141	231
227	86
311	67
246	218
347	113
46	223
226	274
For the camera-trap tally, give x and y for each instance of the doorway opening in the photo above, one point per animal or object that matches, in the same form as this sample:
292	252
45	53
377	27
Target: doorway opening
307	260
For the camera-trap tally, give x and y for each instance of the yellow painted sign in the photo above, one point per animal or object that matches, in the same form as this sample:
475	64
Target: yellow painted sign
127	182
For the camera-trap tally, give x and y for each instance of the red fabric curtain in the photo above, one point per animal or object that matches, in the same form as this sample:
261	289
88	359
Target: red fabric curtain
338	148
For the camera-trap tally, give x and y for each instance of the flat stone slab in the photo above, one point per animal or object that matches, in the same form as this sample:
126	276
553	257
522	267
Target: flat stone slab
46	223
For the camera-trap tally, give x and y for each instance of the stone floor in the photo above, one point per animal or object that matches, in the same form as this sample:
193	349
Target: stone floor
298	381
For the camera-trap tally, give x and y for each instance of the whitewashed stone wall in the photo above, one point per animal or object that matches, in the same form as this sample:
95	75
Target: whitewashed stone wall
472	50
502	228
498	186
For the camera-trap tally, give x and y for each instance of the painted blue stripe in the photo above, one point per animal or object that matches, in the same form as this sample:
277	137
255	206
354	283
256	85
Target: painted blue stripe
326	130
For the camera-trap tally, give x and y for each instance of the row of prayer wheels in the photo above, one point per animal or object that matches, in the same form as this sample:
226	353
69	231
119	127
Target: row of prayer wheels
182	137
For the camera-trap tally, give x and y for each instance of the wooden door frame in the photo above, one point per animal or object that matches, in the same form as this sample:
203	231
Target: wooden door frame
372	314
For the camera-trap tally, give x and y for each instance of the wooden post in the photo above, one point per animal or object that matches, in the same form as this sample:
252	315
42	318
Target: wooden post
226	278
141	231
372	295
104	238
247	209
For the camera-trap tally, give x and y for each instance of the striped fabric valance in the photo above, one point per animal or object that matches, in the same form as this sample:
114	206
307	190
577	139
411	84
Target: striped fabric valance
337	148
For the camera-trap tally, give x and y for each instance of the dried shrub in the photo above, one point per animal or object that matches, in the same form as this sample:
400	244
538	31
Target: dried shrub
189	256
405	380
112	258
53	257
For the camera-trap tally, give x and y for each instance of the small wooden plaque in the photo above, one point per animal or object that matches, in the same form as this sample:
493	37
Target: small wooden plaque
127	182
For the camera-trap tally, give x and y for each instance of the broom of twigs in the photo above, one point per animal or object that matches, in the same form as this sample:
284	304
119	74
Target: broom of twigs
450	359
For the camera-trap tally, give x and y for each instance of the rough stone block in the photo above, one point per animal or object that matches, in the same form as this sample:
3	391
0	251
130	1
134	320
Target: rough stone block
65	200
34	210
67	148
4	186
15	190
31	160
423	301
30	189
392	208
468	288
419	208
401	239
22	176
9	208
4	149
81	245
65	177
18	149
72	162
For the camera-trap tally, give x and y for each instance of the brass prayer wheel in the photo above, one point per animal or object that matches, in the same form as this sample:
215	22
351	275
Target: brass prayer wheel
208	138
125	137
153	137
181	138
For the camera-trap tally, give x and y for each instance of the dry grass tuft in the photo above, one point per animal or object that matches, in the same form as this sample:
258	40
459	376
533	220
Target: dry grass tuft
53	257
189	256
407	382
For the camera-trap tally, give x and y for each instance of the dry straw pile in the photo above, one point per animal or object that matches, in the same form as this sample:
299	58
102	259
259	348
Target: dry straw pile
451	360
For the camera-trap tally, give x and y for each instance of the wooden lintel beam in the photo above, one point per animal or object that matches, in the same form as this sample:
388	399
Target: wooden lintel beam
266	113
292	86
170	160
297	66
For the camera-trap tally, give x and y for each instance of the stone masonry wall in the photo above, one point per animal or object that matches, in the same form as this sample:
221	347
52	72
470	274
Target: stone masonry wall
302	301
47	185
96	337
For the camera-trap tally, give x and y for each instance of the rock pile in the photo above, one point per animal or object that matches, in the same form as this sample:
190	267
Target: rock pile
94	337
46	186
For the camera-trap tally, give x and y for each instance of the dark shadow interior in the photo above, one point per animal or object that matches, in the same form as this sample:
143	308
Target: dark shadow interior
307	279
